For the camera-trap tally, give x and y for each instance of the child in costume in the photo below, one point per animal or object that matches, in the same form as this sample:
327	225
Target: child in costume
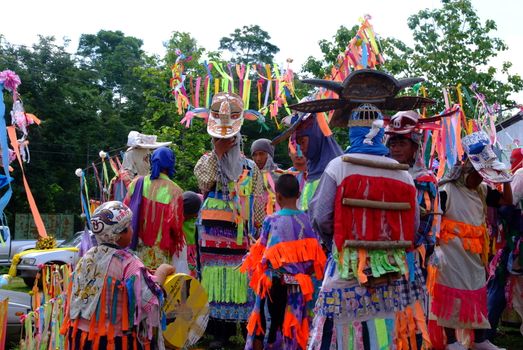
262	153
280	265
191	208
114	301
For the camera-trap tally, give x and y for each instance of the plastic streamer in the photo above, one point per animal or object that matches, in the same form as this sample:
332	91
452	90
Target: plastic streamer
40	227
42	326
4	200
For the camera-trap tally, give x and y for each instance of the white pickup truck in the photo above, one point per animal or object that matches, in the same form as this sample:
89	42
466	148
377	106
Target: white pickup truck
10	247
30	264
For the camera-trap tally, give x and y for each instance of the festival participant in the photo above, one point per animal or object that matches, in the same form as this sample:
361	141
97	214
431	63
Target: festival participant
505	284
191	209
280	265
157	204
459	294
136	162
231	213
262	153
108	274
516	162
314	142
405	135
136	159
365	208
299	165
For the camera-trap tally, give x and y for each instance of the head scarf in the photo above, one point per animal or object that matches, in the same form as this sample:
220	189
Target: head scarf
263	145
516	159
357	134
230	165
458	173
321	149
191	203
162	159
136	161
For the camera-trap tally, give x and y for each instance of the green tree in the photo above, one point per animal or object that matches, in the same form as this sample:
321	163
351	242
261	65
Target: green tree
63	95
161	116
452	45
115	56
249	44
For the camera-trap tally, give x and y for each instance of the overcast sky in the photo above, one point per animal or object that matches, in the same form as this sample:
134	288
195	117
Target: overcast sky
294	26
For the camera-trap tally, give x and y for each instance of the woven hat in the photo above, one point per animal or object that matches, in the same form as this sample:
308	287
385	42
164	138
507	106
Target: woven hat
364	86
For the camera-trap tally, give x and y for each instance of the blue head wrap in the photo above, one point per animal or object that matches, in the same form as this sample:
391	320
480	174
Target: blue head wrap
356	137
163	158
358	134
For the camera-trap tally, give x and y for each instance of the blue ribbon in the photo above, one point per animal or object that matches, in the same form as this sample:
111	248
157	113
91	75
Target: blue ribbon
5	155
412	267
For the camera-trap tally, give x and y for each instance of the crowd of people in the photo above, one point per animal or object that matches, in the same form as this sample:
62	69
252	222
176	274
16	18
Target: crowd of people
354	249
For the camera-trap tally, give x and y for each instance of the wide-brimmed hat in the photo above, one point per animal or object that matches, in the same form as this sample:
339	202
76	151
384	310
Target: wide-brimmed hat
138	140
293	121
479	151
364	86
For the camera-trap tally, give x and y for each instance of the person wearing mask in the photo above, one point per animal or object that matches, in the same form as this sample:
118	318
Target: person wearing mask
459	299
231	214
404	142
315	142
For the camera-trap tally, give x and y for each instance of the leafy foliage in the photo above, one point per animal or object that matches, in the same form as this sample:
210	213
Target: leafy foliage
250	44
452	45
89	101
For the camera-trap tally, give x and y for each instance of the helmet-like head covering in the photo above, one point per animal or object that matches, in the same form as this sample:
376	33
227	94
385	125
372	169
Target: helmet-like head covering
406	125
163	158
109	220
366	131
226	115
364	86
479	151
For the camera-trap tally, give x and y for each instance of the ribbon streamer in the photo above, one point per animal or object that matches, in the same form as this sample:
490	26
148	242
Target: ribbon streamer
32	204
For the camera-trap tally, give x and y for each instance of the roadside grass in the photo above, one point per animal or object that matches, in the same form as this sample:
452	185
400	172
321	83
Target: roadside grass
17	284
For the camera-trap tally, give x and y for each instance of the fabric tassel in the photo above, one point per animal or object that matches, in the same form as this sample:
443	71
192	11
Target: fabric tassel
473	303
254	325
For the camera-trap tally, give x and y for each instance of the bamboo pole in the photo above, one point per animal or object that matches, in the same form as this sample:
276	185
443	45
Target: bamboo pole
366	203
375	164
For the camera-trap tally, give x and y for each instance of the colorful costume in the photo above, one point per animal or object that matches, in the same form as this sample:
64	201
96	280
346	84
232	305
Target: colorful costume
322	148
280	265
408	125
505	282
365	204
191	209
113	301
459	293
158	206
270	173
231	212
